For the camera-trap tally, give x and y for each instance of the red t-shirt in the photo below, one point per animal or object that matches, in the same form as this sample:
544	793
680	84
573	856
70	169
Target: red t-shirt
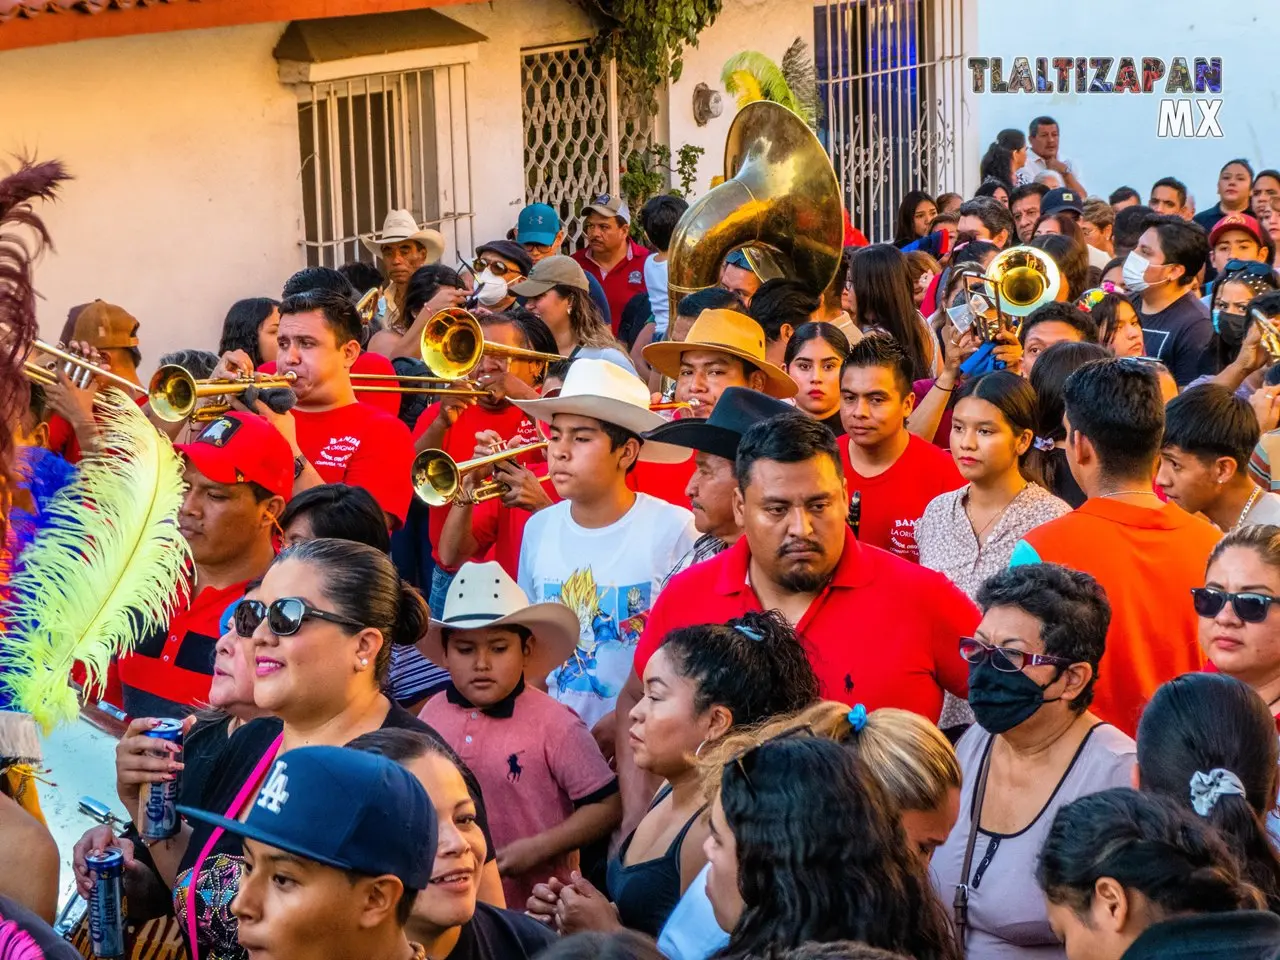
499	530
621	283
893	501
361	446
666	481
176	662
884	632
366	363
460	443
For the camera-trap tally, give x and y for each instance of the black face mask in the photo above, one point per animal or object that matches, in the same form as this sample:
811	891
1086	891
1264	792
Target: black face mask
1001	701
1231	327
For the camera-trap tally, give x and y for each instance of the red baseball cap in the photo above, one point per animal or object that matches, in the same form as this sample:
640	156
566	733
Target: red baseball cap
1238	221
241	447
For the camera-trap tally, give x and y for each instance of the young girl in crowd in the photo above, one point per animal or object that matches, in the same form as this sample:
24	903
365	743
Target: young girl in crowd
813	357
448	918
1049	456
882	297
804	847
702	683
1119	329
1208	739
915	214
1130	876
1237	339
251	326
557	291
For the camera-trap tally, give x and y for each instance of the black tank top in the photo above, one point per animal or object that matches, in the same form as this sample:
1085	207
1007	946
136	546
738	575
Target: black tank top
646	893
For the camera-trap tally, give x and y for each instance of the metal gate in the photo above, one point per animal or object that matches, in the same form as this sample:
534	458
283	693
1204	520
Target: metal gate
579	128
890	75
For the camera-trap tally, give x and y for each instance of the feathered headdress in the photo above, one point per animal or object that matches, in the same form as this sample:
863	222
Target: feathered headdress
105	568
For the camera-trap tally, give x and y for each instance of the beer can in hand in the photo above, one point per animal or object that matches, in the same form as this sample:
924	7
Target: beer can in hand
158	807
106	903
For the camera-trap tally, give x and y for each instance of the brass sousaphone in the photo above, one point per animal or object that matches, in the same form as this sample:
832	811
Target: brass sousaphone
780	201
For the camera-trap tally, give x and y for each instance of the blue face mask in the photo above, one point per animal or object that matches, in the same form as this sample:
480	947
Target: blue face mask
1231	327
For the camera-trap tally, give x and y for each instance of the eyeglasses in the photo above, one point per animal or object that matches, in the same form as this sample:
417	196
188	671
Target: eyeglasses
284	617
1249	268
741	760
499	268
1249	607
1006	659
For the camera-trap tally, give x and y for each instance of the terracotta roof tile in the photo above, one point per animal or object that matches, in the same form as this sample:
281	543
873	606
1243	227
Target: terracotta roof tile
11	9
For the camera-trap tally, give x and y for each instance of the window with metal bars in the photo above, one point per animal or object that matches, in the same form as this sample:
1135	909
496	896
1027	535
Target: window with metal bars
378	143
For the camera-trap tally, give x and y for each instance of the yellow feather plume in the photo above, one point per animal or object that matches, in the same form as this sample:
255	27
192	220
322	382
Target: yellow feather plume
746	86
104	569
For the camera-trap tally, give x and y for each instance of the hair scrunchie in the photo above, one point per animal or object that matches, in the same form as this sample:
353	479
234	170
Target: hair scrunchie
857	718
1207	788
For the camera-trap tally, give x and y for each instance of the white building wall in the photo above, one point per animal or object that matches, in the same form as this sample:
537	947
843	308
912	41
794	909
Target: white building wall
1113	136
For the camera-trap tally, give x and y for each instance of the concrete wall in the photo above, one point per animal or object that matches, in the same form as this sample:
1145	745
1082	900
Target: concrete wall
1113	136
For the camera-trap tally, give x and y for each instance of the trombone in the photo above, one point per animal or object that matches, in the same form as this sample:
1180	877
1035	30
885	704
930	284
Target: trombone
174	392
1023	278
453	343
437	477
438	390
78	369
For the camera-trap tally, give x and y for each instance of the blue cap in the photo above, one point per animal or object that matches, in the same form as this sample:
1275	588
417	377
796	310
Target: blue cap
344	808
538	223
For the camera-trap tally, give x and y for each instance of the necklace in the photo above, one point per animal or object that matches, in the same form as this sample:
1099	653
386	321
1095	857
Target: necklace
1130	493
977	533
1248	504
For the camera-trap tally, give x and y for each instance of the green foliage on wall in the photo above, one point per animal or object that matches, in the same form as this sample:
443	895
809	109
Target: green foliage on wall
648	37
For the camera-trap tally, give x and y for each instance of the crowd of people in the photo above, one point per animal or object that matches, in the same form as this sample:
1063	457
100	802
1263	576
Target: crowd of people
779	622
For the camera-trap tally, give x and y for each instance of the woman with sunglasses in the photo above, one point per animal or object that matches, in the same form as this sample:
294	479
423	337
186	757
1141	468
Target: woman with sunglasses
323	623
804	847
499	265
700	684
1208	742
1034	748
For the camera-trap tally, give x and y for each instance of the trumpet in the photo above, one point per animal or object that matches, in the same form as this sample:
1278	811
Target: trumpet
78	369
1270	333
453	343
437	477
174	392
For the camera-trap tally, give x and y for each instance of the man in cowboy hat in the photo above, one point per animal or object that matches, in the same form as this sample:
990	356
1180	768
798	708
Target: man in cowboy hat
604	550
403	247
548	788
724	348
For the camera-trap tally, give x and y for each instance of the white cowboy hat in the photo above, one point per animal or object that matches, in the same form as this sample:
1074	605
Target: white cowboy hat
483	596
400	226
604	391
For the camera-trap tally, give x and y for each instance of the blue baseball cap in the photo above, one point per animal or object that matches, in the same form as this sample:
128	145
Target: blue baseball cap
344	808
538	223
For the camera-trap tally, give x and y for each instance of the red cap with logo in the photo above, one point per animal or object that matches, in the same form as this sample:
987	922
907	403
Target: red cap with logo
1238	221
242	447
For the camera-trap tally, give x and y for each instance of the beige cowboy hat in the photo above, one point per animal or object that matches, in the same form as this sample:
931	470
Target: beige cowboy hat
604	391
722	331
483	596
400	226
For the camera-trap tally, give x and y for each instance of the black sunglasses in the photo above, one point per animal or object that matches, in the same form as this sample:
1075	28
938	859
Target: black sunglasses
284	617
1249	607
1250	268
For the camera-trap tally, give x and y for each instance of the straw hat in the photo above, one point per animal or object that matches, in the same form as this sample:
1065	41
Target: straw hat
399	227
722	331
604	391
483	596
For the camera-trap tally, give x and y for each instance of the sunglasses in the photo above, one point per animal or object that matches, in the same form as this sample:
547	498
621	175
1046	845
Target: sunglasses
1249	607
284	617
1005	659
1248	268
499	268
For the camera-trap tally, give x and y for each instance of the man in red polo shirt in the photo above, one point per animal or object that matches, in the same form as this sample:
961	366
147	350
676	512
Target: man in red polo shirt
239	475
334	438
611	256
892	472
879	630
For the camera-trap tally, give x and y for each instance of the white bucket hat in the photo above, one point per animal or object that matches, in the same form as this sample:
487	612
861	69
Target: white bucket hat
604	391
482	596
400	226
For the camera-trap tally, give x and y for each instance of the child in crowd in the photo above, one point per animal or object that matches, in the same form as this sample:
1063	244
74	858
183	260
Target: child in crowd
547	786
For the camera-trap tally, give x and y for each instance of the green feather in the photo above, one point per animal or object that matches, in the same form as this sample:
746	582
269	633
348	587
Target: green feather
104	569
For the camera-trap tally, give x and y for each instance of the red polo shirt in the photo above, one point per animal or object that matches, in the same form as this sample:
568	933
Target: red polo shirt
621	283
884	632
176	662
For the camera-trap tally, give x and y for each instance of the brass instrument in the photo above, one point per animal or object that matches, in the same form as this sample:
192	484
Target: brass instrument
675	405
78	369
780	200
438	390
1023	278
437	477
174	392
453	343
367	306
1270	333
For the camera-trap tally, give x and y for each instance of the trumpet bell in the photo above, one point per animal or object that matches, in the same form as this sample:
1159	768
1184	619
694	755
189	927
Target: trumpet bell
1024	278
436	477
172	392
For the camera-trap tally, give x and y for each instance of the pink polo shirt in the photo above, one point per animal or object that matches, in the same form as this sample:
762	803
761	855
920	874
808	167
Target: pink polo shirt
536	762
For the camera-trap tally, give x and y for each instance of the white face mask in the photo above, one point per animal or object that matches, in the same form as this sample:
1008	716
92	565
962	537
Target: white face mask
490	290
1135	273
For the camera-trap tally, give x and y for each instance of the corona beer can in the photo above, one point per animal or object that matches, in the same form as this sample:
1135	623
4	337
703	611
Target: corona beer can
106	903
158	806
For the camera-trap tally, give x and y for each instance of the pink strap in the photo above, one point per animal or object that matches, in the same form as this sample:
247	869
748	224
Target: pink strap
232	811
